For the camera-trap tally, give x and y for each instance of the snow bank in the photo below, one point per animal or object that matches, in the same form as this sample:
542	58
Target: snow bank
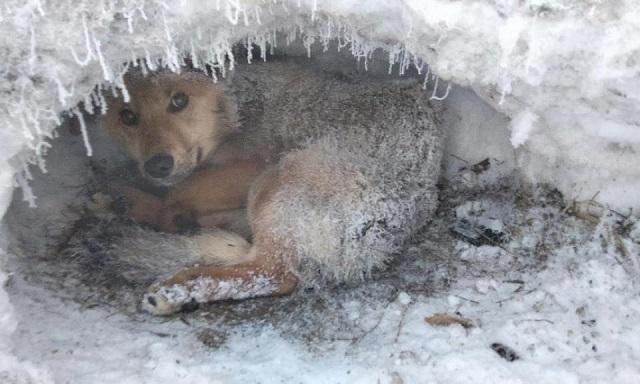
566	70
570	64
554	292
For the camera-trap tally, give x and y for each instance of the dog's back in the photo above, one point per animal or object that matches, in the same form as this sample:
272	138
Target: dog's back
365	155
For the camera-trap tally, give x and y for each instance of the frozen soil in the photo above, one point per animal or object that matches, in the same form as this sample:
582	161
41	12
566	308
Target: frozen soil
527	287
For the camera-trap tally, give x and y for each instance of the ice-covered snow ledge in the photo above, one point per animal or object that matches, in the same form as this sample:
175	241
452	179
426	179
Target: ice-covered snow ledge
564	70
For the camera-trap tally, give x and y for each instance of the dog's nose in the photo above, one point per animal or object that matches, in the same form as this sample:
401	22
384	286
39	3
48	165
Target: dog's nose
159	166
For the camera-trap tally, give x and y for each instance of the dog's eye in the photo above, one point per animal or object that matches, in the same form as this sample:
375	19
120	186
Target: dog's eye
128	117
179	102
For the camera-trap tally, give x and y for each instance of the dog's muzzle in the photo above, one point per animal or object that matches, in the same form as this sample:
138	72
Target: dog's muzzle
159	166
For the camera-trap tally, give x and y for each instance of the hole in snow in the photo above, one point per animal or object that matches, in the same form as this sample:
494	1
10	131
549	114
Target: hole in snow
78	252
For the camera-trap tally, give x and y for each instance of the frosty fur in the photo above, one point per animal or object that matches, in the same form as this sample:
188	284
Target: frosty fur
375	143
359	160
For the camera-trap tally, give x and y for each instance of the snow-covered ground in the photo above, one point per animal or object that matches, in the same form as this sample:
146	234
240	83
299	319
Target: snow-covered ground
512	265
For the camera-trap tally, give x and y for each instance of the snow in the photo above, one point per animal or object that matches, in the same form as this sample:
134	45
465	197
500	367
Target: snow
560	82
564	303
521	126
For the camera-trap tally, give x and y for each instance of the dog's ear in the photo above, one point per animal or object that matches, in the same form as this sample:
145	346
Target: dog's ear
229	111
228	104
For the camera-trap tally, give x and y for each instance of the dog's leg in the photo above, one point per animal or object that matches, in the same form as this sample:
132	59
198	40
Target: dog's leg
141	206
267	274
209	191
210	283
275	251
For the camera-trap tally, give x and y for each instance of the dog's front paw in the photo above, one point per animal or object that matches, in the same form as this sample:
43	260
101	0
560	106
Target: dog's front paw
177	219
161	300
119	204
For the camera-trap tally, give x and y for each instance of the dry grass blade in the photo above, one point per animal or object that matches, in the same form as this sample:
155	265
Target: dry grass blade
446	320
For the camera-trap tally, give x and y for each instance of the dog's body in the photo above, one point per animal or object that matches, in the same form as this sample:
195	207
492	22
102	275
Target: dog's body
332	176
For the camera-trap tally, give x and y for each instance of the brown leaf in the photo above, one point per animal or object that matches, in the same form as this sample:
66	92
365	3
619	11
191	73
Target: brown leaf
445	320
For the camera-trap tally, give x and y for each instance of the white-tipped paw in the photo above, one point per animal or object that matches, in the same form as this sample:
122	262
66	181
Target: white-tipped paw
162	301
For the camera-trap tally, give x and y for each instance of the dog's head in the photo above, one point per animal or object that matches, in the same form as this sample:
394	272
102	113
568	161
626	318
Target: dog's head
171	123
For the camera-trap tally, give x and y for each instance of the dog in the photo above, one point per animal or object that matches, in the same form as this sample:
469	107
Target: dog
329	176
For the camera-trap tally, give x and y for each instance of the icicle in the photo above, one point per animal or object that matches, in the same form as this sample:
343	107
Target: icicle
426	77
26	131
51	116
108	76
391	61
32	51
249	50
129	17
121	84
417	60
172	61
232	60
41	151
194	57
314	9
88	104
101	101
150	63
245	17
83	129
167	30
142	13
143	68
214	76
307	43
35	122
263	48
406	61
435	89
274	42
233	18
95	100
87	39
220	60
62	91
27	192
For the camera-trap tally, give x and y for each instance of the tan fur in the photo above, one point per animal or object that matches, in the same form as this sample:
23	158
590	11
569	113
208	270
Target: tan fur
210	189
201	126
221	248
333	205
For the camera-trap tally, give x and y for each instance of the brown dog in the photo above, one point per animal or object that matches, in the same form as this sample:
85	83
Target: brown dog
177	129
310	197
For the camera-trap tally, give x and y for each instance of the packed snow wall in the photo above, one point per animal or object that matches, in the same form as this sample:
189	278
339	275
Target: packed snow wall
563	71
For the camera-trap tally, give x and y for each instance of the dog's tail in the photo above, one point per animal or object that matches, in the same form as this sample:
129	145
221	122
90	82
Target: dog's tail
219	247
143	254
